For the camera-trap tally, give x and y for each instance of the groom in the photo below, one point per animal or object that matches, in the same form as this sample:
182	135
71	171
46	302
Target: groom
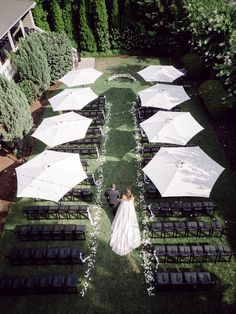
113	197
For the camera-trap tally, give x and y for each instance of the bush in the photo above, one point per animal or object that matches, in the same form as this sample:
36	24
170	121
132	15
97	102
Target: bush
15	116
30	61
194	66
29	89
58	50
216	99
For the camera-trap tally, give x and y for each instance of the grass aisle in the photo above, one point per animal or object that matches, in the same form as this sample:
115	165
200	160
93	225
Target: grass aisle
115	276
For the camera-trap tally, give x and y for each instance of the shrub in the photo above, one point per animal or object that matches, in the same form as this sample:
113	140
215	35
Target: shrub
216	99
30	62
212	26
194	66
29	89
58	50
15	116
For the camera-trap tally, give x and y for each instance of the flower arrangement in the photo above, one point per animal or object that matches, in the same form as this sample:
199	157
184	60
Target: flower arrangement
93	242
144	214
121	75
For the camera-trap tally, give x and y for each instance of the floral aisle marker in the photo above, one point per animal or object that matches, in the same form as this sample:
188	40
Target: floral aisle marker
144	214
121	75
93	242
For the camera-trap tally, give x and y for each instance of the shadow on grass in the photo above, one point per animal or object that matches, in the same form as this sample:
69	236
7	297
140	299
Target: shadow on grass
120	97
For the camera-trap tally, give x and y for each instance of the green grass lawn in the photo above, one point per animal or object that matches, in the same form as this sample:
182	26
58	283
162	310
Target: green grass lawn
117	283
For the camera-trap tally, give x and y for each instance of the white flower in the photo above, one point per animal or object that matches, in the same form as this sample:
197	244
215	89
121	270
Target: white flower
93	243
145	255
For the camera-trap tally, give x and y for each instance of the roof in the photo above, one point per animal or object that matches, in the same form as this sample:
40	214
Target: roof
11	11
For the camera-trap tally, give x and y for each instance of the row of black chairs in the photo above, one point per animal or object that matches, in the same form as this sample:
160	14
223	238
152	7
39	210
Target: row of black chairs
46	256
51	232
89	152
94	132
174	229
93	114
184	280
96	122
182	208
97	104
74	194
192	253
46	284
40	212
91	141
77	193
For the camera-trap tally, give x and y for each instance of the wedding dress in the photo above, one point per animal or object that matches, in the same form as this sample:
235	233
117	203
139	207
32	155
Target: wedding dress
125	235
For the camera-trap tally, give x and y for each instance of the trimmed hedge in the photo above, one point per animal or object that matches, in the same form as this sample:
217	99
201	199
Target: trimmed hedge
216	99
194	66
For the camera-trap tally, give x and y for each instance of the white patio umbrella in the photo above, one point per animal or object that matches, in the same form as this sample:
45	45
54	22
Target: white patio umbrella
163	96
160	73
80	77
50	175
72	99
183	171
63	128
171	127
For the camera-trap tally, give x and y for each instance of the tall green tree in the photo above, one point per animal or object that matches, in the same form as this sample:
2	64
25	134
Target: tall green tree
30	61
114	22
15	116
124	12
86	39
55	16
40	15
68	18
101	28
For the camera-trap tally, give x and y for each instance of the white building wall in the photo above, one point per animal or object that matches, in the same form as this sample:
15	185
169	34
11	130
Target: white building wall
7	70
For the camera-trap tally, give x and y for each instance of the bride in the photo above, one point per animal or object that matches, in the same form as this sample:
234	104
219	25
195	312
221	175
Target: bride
125	235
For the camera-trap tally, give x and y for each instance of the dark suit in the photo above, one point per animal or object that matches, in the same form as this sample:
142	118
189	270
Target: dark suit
113	199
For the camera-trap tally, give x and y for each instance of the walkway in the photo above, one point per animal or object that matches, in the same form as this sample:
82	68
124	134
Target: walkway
86	63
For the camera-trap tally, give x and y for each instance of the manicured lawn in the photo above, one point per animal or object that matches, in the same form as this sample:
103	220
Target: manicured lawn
117	283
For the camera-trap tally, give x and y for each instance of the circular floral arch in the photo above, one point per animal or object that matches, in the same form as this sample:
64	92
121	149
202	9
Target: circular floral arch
121	75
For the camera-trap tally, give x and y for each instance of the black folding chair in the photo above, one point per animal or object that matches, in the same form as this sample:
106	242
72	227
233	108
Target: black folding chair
225	253
185	254
172	254
211	254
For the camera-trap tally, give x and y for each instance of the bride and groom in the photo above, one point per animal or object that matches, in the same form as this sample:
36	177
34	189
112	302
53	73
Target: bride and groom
125	236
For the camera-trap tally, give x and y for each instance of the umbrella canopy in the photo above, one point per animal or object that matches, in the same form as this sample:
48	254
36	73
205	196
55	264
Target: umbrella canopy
171	127
50	175
72	99
183	171
160	73
81	77
63	128
163	96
